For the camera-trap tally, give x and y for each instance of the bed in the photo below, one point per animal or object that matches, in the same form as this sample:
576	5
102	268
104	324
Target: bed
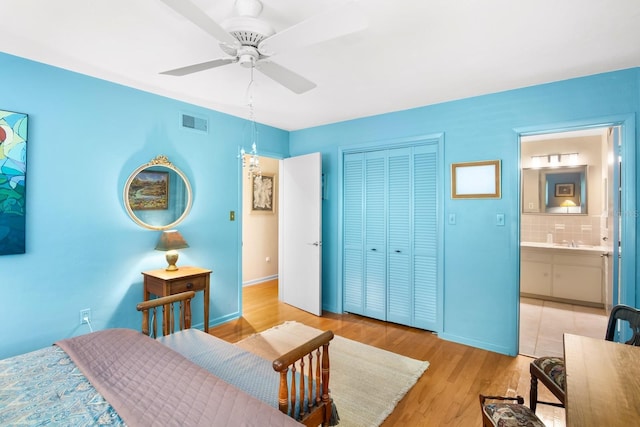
183	377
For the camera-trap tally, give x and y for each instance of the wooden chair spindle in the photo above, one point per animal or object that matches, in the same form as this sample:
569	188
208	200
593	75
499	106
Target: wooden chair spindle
310	401
302	391
292	398
154	325
318	378
283	401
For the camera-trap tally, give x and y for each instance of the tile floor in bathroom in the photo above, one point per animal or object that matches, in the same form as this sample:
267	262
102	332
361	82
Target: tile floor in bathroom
542	324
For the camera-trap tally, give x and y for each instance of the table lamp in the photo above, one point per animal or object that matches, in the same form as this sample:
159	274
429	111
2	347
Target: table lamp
170	241
568	204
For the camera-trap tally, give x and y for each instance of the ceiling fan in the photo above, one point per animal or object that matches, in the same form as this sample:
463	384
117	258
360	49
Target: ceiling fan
251	41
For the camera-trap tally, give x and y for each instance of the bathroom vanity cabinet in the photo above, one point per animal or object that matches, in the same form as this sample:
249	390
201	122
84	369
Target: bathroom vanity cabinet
559	273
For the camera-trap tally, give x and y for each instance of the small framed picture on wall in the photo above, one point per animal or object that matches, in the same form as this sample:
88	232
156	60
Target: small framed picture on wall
565	190
476	180
262	193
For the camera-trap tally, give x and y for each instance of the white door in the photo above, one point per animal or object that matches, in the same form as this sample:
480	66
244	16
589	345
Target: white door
300	272
613	292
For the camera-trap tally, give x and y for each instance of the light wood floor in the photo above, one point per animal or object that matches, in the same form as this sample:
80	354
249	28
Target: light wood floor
543	324
447	393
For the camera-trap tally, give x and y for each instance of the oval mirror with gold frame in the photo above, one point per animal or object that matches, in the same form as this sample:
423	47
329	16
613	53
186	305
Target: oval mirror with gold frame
157	195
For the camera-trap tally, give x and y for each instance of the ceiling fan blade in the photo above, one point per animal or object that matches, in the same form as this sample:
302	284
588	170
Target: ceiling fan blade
199	67
287	78
329	25
202	20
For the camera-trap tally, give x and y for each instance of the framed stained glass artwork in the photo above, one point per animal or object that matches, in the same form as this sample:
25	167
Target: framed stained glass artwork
13	169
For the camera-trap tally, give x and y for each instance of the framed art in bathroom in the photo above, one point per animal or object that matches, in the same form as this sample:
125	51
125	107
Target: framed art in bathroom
476	180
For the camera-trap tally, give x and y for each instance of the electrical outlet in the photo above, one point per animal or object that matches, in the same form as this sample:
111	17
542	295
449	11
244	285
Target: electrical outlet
85	316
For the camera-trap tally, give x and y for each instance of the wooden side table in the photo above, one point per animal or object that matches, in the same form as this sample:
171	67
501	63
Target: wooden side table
163	283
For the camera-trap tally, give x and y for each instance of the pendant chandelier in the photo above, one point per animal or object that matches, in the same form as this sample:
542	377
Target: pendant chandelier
251	161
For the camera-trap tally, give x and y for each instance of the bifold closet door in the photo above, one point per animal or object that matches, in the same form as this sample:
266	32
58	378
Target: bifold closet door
364	234
425	237
412	236
353	233
375	230
400	203
390	235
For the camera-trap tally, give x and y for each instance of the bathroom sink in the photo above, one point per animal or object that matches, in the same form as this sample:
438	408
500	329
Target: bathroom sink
570	246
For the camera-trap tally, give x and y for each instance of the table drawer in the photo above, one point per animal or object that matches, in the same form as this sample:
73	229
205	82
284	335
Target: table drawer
187	284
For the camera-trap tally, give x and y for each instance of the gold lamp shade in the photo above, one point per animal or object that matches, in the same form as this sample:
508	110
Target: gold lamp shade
170	241
568	204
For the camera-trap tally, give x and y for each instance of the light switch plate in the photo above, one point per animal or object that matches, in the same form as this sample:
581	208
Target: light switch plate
452	219
500	220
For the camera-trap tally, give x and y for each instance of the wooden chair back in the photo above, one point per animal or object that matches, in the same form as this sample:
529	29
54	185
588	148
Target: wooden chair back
631	316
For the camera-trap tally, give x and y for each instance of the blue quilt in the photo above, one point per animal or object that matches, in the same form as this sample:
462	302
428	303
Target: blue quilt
45	388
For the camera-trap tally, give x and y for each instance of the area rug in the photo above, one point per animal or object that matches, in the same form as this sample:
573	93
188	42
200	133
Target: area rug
366	382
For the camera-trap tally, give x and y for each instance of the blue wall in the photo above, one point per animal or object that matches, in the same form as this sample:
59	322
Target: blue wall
481	260
87	135
82	251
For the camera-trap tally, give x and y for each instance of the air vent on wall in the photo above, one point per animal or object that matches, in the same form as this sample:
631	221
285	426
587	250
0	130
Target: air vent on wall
192	122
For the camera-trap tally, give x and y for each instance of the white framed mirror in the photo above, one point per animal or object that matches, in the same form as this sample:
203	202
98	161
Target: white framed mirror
157	195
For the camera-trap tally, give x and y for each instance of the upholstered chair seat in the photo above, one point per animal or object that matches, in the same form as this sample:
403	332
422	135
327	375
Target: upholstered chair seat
551	372
498	411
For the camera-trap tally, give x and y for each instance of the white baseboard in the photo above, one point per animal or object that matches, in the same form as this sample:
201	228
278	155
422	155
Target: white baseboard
259	280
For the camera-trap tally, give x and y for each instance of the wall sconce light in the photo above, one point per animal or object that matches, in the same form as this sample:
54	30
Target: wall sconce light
573	158
556	159
535	161
170	241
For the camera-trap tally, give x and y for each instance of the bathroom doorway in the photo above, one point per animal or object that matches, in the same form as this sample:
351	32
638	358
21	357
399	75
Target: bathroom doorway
569	233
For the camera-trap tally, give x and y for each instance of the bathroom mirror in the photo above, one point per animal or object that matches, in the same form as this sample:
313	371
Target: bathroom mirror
557	190
157	195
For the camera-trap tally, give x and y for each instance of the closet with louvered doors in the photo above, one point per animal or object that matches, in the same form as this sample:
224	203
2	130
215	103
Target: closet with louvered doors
390	243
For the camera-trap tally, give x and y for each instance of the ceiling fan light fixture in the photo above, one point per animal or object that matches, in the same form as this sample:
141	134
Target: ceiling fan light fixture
249	31
248	7
251	41
247	56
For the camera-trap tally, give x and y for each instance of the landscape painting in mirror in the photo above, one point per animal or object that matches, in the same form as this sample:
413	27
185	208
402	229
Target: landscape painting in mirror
149	190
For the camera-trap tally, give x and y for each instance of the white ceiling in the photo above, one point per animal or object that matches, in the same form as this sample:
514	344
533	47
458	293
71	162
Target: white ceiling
413	52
